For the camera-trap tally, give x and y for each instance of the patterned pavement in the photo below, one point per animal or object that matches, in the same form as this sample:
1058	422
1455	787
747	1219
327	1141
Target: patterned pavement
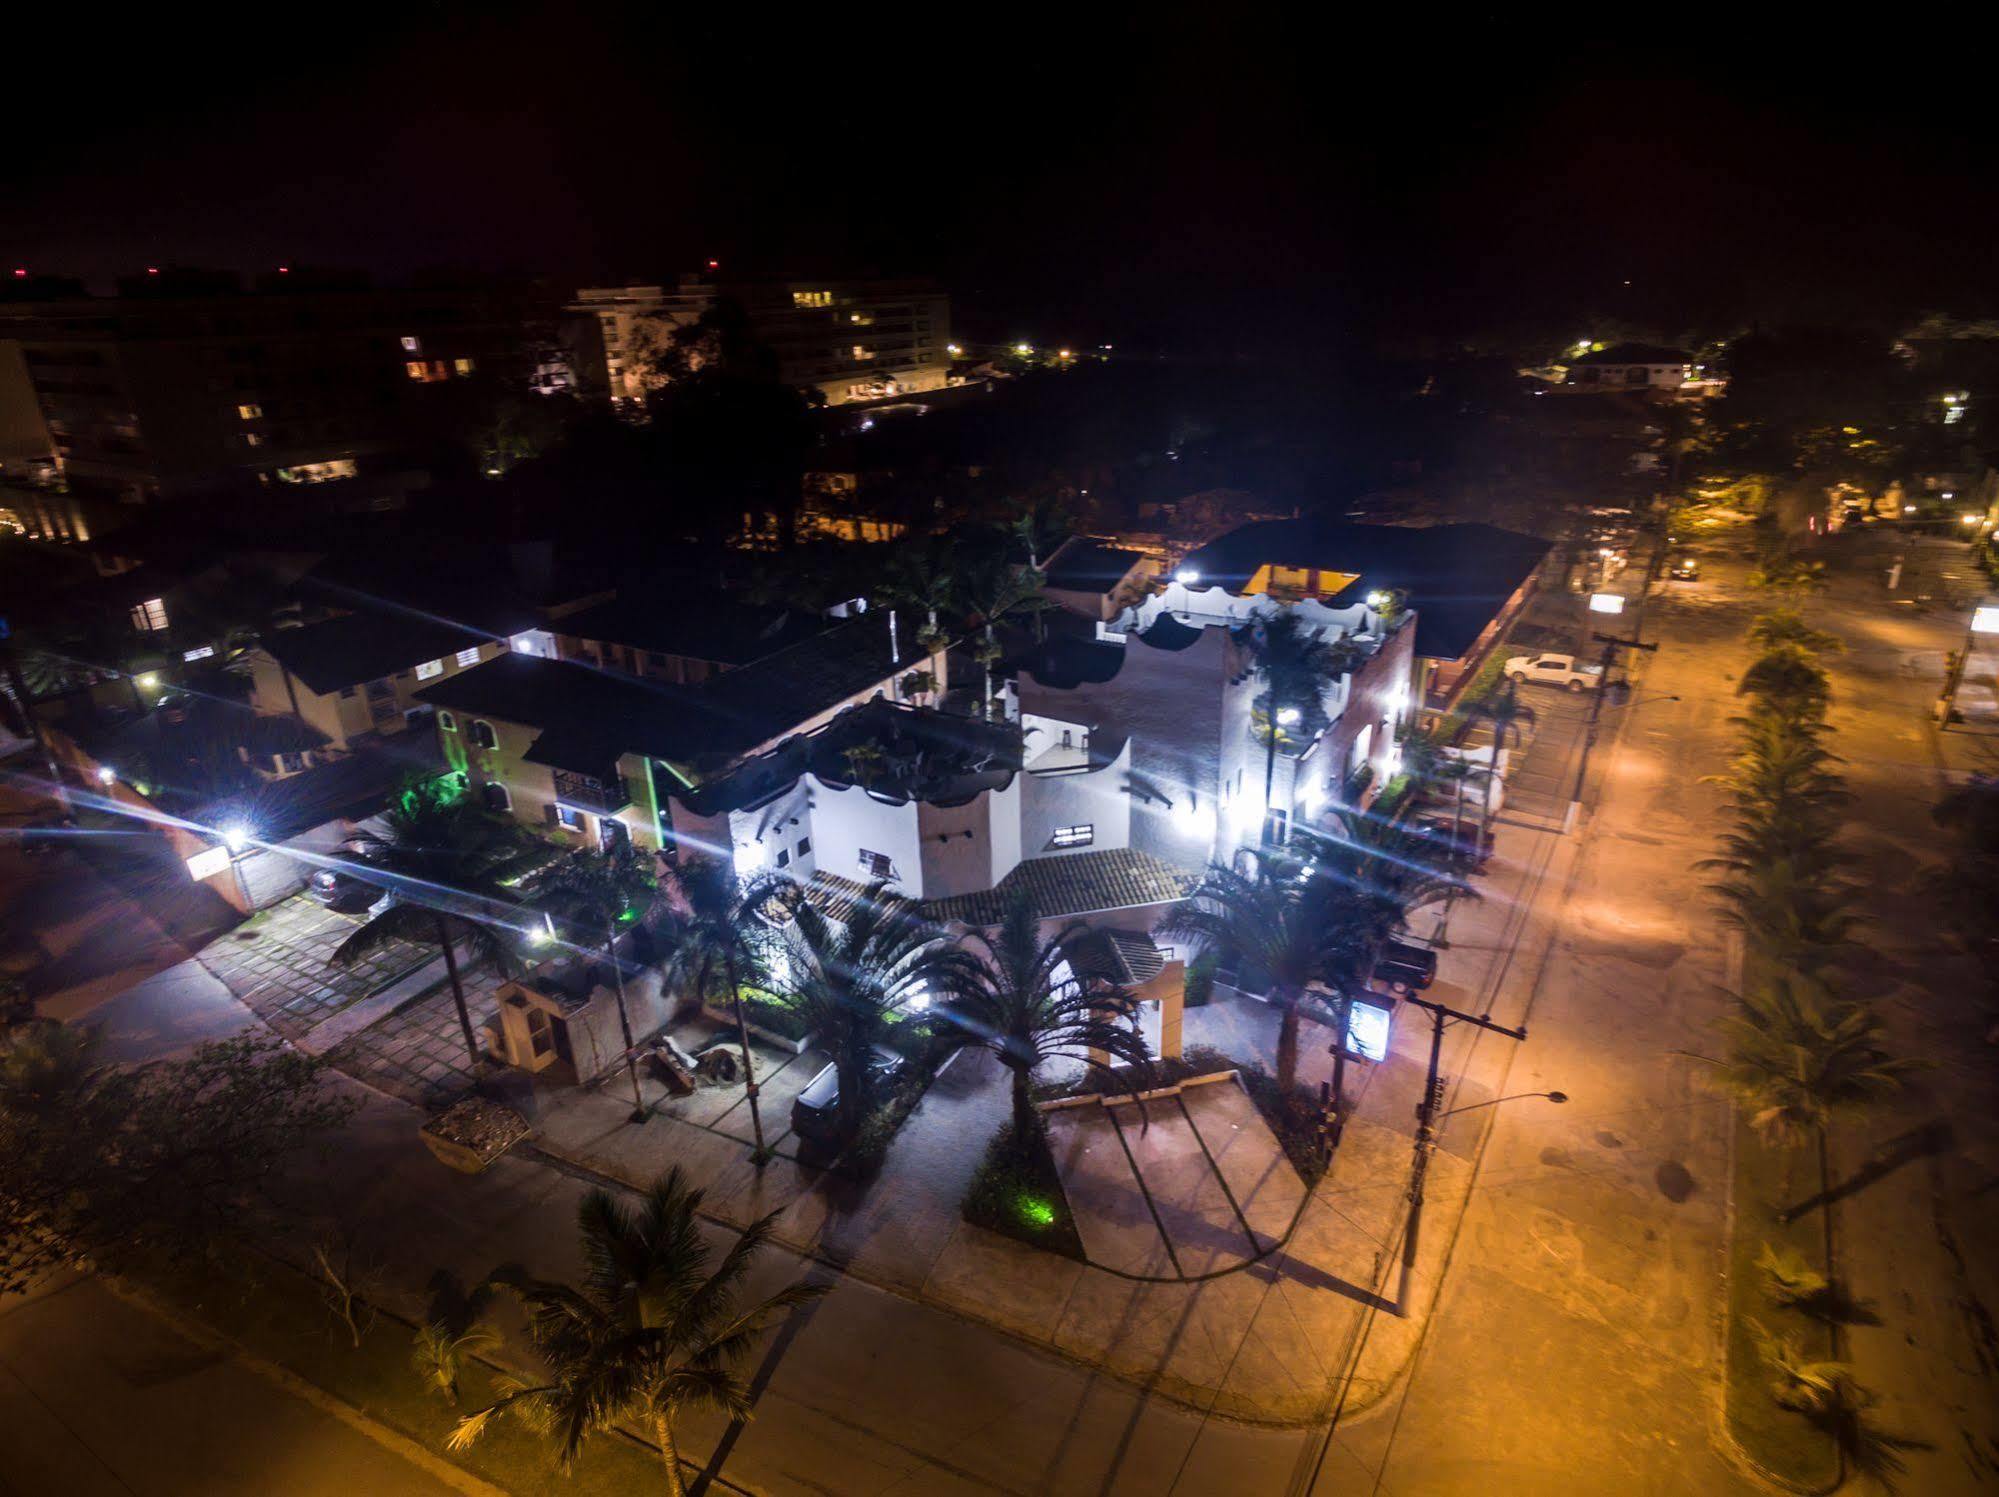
278	963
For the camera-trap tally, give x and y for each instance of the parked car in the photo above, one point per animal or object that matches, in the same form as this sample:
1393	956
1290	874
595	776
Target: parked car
815	1112
341	891
1683	569
1401	965
1463	841
1554	670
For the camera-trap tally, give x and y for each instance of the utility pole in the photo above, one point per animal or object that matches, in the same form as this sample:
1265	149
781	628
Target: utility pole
1611	645
1428	1108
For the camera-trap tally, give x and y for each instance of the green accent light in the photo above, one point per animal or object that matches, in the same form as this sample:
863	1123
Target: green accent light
1036	1212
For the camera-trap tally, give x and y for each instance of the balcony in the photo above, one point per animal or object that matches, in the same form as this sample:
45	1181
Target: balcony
589	793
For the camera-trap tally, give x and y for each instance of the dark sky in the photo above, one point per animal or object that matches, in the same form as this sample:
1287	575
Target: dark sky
1179	177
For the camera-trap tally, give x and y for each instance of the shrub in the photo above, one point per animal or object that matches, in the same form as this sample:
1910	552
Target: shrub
768	1011
1293	1117
1200	985
1018	1193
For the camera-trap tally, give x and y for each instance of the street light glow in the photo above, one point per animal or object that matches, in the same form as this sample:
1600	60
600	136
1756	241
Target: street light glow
236	837
1186	576
106	774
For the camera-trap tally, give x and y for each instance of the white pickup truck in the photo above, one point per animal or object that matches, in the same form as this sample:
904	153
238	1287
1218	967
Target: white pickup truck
1554	670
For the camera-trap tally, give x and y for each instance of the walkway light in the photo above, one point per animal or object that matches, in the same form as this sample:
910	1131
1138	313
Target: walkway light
1378	599
1186	576
1287	717
236	837
106	774
1023	349
1969	518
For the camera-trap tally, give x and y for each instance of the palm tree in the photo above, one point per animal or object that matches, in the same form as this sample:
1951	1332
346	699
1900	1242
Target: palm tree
1801	1059
991	588
1018	998
716	937
921	573
853	979
1788	911
1276	919
1786	626
657	1326
599	891
1503	711
1787	681
449	863
1296	666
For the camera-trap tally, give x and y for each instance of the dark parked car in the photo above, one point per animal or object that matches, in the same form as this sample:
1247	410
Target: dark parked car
341	891
1401	965
1684	569
1463	843
815	1113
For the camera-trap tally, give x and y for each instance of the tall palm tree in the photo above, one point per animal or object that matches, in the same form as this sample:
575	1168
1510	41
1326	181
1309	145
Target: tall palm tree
716	938
599	891
852	979
1018	998
990	589
1787	680
656	1327
1502	710
1801	1058
921	573
1296	666
451	864
1280	921
1786	626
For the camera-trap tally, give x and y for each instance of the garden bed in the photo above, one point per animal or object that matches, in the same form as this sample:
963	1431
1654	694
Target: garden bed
767	1017
471	1134
1294	1119
1017	1192
1782	1442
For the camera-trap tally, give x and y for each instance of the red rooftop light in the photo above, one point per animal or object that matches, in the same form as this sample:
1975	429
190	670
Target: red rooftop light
714	264
152	270
20	270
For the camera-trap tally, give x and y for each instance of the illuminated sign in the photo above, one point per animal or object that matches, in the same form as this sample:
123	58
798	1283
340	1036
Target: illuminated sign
1367	1030
208	862
1985	620
1606	603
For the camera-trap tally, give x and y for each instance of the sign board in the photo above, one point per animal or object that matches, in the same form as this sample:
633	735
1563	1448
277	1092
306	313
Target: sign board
1367	1030
1606	602
208	862
1985	620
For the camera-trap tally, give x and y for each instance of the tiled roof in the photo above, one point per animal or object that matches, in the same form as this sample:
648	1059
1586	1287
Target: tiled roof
1073	884
1084	565
1125	957
698	627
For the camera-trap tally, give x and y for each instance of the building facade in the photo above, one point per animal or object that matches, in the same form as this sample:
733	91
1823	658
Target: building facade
850	339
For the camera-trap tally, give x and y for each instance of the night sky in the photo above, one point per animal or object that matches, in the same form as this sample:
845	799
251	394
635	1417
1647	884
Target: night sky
1224	182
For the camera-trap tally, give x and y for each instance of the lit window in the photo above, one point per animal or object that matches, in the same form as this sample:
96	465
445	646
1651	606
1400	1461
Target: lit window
428	669
417	369
201	654
863	352
463	366
569	818
253	439
468	657
483	736
150	616
250	412
447	722
812	298
1074	836
412	345
495	796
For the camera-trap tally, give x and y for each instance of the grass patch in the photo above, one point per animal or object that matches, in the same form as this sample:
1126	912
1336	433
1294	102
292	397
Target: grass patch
1017	1192
768	1011
1293	1117
1780	1440
273	1312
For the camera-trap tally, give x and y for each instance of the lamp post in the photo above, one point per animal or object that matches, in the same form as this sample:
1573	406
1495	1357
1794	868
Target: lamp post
1984	620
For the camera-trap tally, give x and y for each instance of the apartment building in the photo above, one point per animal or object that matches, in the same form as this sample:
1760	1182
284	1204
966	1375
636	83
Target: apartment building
191	383
851	339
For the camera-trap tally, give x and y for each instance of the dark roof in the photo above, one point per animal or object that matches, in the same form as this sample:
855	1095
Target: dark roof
1168	633
1073	884
1084	565
1457	577
352	787
589	717
1635	353
1125	957
700	628
356	647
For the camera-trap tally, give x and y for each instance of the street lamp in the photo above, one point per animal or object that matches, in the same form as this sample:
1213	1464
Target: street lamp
1556	1097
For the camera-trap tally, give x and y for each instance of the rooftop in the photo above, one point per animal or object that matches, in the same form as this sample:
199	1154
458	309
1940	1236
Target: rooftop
1087	565
1457	577
352	787
713	628
1073	884
1635	353
340	652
